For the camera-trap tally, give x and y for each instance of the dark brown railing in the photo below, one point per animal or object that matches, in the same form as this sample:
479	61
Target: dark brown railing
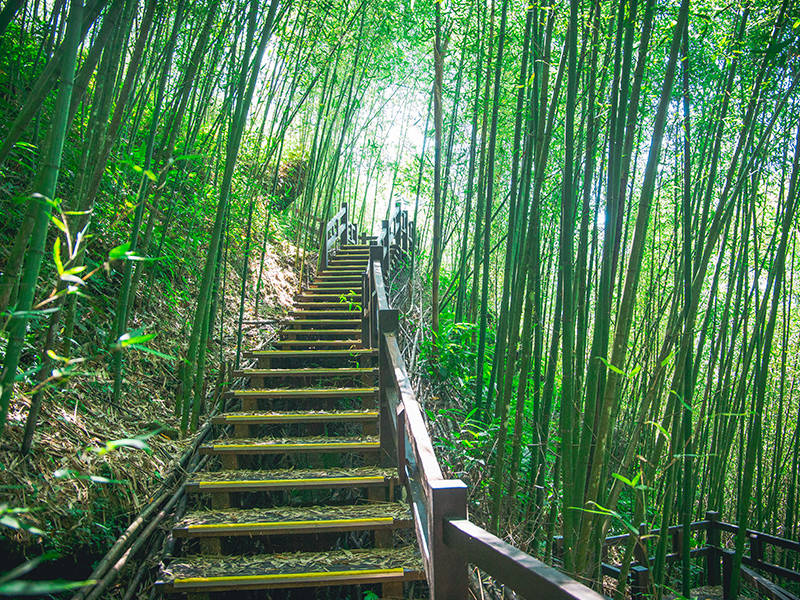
448	541
339	231
718	560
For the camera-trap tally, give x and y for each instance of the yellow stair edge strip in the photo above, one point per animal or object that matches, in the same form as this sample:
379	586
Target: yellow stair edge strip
376	520
292	446
370	479
354	414
332	574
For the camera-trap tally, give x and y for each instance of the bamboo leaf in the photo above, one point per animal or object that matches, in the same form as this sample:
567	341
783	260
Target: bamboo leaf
119	252
57	256
151	351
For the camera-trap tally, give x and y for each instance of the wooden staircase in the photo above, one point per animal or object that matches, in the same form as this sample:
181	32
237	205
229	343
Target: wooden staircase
298	497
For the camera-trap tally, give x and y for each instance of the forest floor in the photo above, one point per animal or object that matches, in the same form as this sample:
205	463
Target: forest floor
85	480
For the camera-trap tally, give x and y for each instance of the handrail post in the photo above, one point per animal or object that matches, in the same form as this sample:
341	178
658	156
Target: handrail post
344	235
448	499
375	253
641	582
727	575
366	298
401	444
388	319
639	549
713	540
405	231
387	246
756	547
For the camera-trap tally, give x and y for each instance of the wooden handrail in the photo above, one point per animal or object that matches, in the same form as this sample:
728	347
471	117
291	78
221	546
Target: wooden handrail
447	539
338	232
506	563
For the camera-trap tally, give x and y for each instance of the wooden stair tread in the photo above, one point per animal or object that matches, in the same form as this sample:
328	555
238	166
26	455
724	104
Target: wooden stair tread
287	519
300	569
305	393
292	445
304	353
349	343
308	416
290	479
318	331
342	291
305	372
322	306
306	298
337	312
320	322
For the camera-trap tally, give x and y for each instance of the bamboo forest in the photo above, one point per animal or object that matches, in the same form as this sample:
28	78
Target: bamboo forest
337	299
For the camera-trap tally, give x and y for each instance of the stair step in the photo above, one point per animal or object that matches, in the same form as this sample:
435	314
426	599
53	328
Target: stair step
335	269
290	520
325	322
340	273
343	282
290	479
271	418
301	569
339	276
306	393
311	353
326	332
347	263
323	306
306	372
326	314
334	290
351	343
317	296
293	445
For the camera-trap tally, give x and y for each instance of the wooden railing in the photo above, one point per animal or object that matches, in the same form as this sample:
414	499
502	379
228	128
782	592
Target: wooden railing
448	541
339	231
714	554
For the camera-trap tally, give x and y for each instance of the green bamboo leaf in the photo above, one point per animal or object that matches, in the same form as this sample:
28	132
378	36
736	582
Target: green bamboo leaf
124	443
57	256
58	223
135	337
659	427
611	367
37	588
26	567
623	479
119	252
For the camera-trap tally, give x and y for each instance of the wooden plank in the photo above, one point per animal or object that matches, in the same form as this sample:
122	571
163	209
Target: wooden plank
341	332
306	393
307	353
269	446
510	565
343	323
338	311
306	372
349	343
295	417
266	485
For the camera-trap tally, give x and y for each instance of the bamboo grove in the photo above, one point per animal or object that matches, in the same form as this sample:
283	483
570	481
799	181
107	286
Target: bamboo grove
605	195
636	163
